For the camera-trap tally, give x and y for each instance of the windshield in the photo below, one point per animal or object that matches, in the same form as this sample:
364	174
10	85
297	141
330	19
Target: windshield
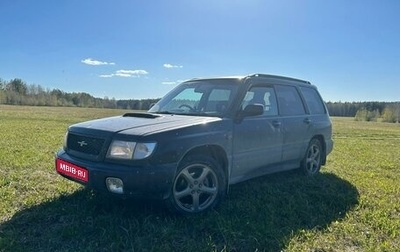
207	98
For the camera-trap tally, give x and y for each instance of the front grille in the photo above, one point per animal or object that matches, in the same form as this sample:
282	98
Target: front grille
85	144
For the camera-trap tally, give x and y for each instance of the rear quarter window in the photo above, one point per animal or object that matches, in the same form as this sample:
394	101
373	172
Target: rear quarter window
313	100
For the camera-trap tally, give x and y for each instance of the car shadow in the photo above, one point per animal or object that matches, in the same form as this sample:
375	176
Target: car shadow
260	214
287	204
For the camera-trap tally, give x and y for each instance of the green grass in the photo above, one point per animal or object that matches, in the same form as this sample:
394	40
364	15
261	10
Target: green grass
353	205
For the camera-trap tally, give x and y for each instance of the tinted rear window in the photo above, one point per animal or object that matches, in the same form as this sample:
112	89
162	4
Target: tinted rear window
289	101
313	100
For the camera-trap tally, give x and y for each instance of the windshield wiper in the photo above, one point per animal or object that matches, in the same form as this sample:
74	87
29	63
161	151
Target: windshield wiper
164	113
185	114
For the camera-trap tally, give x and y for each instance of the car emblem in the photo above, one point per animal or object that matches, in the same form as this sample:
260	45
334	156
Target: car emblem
82	143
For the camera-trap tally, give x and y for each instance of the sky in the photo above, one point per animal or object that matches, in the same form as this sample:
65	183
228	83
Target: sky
133	49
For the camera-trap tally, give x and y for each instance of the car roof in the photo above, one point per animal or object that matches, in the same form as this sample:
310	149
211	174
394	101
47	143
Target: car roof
252	76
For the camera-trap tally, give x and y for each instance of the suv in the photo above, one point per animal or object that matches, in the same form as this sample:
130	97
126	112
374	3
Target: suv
203	136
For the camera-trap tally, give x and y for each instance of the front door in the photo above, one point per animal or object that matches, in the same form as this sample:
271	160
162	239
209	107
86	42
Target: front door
257	140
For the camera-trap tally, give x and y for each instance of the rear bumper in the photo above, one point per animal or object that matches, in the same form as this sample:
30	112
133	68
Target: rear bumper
139	181
329	146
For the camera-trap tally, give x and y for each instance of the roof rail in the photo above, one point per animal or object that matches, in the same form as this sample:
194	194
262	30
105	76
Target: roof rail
278	77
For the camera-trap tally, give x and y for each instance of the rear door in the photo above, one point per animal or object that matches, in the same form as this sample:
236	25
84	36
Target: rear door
296	123
257	140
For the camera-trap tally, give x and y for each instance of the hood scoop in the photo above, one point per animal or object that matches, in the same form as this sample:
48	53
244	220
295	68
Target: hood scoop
141	115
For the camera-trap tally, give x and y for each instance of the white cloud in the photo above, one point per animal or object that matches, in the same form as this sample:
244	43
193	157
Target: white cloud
131	72
93	62
106	75
167	65
125	73
122	75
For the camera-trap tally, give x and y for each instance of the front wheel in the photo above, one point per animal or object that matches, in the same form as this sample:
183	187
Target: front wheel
199	185
312	161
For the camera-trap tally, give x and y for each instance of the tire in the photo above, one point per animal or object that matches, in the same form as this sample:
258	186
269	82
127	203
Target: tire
199	185
312	161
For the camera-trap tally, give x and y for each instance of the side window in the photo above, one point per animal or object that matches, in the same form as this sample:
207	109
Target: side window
264	96
313	100
289	100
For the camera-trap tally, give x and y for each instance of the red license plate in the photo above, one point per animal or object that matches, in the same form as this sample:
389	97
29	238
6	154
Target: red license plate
72	170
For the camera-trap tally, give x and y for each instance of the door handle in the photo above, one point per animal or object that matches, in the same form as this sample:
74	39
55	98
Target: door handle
307	121
276	123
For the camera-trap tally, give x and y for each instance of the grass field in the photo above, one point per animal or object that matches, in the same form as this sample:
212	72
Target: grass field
353	205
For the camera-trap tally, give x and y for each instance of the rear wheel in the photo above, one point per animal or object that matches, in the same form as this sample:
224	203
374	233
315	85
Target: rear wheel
312	161
199	185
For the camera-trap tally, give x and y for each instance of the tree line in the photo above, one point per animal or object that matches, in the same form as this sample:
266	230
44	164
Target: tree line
366	111
17	92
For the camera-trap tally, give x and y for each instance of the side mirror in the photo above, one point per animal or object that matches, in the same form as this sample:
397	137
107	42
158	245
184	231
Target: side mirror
251	110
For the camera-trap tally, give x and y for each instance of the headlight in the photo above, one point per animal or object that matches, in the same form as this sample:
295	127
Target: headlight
143	150
130	150
121	150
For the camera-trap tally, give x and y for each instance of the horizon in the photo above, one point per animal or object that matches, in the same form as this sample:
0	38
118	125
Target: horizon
110	98
141	50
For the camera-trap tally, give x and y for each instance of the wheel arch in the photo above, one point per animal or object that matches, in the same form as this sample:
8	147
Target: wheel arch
214	151
213	155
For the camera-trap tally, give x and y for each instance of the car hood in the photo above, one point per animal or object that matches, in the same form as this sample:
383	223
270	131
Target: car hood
141	124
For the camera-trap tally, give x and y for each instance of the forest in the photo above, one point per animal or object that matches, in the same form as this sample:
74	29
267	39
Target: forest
366	111
17	92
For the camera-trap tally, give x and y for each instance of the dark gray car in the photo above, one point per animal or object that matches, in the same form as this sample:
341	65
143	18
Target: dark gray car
203	136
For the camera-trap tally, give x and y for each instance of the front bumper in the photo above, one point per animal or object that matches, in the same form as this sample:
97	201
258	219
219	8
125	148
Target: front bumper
138	181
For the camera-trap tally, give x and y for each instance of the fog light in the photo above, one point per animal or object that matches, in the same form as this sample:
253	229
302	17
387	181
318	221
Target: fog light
115	185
